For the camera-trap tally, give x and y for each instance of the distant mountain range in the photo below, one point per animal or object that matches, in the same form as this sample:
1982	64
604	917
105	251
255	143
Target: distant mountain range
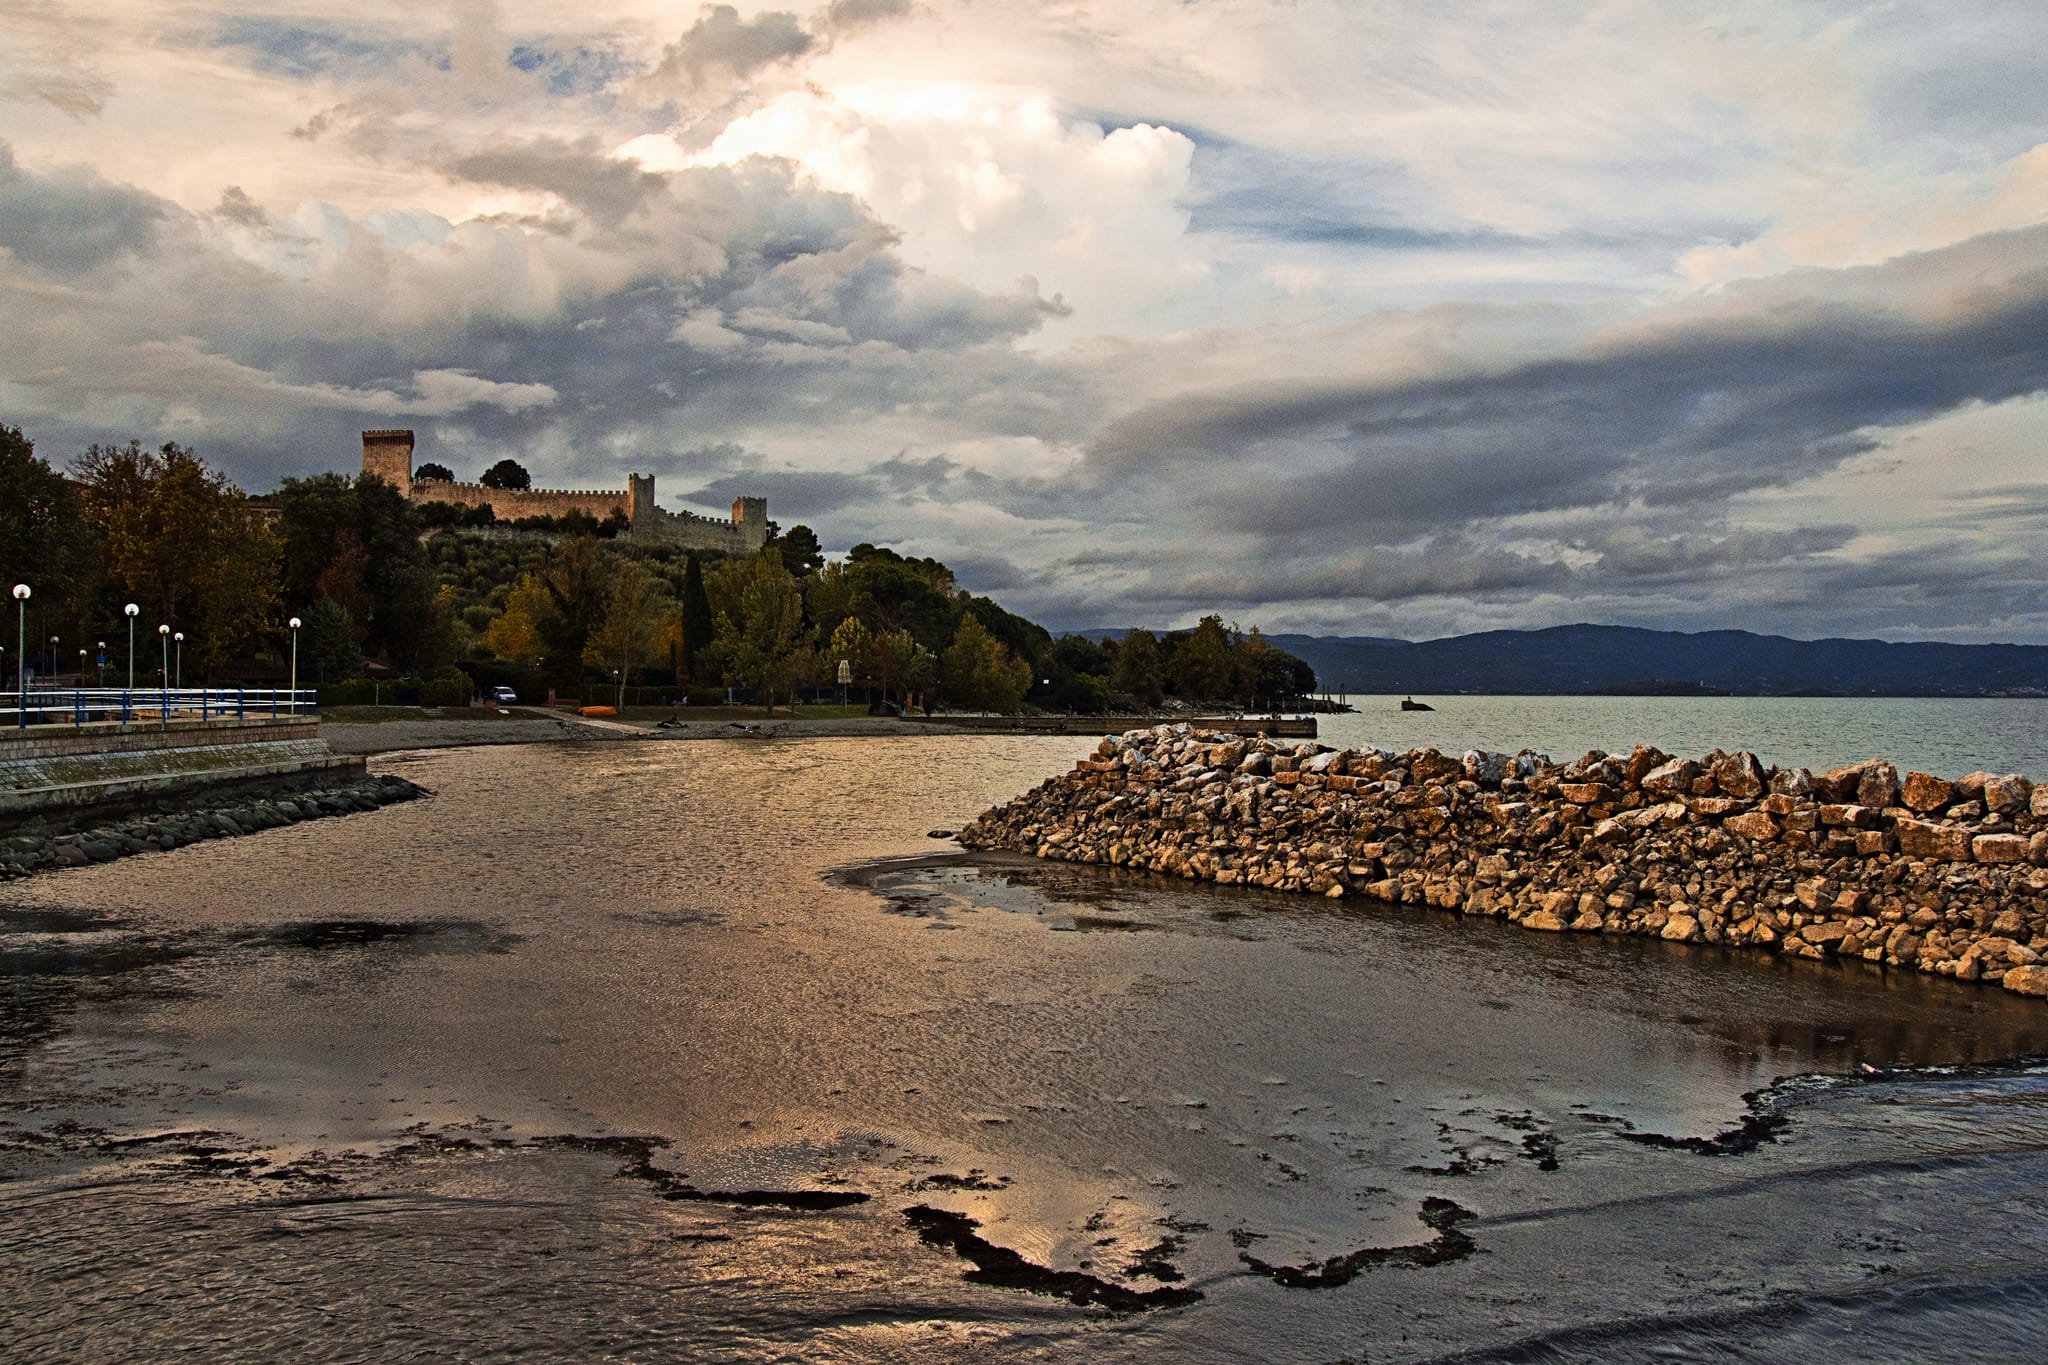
1624	660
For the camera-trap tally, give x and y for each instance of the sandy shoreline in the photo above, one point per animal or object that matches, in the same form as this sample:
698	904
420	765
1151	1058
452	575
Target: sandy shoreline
536	727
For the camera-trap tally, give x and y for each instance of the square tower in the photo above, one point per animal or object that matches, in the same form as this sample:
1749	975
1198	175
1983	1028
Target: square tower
751	516
388	455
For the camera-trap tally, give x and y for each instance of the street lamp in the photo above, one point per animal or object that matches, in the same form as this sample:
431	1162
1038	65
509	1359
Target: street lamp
100	664
163	633
133	612
295	665
180	638
21	596
53	661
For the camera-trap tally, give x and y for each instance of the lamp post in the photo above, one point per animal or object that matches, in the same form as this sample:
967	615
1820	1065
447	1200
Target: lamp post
295	665
180	639
133	612
21	595
100	663
163	634
53	661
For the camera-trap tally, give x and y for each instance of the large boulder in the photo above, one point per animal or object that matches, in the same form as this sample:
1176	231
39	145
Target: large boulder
2027	980
1924	792
1755	826
1642	761
1932	839
2008	793
1879	786
1739	775
1999	848
1674	778
1792	782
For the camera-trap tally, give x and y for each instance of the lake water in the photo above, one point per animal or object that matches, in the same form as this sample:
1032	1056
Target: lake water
705	1050
1944	737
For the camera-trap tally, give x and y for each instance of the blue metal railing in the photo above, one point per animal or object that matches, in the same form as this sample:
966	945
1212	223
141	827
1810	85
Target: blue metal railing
79	706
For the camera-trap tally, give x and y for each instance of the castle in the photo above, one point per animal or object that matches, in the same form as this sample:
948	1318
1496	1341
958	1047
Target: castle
388	455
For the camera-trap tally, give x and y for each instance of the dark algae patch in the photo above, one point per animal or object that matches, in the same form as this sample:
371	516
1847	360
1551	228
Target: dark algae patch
1449	1244
638	1155
1005	1269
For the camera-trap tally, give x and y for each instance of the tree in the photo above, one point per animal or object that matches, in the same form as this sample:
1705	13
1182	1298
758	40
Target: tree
517	633
576	577
1201	665
43	538
854	643
357	541
634	610
694	609
329	642
801	553
979	671
433	473
185	544
760	633
1137	672
506	473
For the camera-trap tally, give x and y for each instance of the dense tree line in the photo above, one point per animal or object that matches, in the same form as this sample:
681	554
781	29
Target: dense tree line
154	527
376	578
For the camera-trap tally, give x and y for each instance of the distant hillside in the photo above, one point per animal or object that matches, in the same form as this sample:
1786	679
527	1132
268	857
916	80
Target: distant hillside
1623	659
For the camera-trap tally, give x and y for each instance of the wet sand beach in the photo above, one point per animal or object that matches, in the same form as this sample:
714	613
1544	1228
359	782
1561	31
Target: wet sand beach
659	1050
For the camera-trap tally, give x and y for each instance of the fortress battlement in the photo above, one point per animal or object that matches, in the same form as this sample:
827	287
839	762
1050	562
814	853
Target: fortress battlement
388	455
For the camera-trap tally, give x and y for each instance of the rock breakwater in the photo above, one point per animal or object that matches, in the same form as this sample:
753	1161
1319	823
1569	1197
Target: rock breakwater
30	851
1948	876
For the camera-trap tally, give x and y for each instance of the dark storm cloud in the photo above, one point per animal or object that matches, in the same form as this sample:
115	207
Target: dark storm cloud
579	172
1778	382
71	221
790	492
721	41
985	574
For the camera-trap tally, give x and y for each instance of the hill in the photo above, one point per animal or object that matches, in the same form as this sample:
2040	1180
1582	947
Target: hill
1629	660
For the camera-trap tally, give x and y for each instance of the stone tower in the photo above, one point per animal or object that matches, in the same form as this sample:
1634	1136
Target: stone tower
388	455
640	499
751	516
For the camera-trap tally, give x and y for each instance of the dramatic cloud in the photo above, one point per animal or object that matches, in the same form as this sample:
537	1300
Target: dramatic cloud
1328	316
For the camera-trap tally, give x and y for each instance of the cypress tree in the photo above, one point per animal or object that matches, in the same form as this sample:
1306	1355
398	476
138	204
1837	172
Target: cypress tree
696	612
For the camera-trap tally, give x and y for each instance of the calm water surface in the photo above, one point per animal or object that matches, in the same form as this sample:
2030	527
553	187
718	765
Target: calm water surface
704	1050
1947	738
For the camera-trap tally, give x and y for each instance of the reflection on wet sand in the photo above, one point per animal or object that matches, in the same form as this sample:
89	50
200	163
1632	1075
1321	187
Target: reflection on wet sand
677	1050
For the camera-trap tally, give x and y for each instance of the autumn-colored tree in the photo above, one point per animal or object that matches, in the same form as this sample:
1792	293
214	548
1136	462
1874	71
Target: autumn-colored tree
517	632
183	542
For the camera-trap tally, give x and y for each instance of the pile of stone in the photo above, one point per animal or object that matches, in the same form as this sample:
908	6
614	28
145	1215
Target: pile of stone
1946	876
34	851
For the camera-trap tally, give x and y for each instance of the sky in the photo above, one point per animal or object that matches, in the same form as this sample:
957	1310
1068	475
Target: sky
1373	317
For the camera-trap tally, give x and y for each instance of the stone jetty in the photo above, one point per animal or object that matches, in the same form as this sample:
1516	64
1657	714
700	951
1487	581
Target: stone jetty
1948	876
216	815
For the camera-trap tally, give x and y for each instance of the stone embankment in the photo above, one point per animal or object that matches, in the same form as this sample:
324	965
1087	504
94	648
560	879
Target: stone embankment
29	851
1949	877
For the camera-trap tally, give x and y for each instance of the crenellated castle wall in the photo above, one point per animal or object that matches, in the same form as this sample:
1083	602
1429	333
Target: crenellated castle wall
388	455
